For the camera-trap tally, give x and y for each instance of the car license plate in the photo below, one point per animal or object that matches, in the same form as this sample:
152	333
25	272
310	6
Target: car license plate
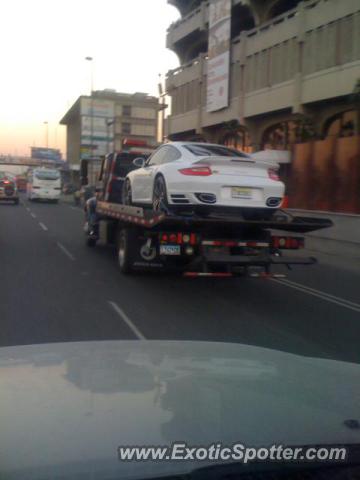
170	250
240	192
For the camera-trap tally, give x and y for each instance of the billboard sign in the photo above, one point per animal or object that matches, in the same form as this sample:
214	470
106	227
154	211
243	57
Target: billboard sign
97	127
97	108
48	154
218	65
97	136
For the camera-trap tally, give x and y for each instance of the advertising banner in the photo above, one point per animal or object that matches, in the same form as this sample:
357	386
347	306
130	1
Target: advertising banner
97	136
219	55
97	107
49	154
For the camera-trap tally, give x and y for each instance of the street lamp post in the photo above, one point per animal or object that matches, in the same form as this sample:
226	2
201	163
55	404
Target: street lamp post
46	134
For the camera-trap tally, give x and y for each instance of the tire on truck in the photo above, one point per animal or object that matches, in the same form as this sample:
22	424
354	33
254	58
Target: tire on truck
126	247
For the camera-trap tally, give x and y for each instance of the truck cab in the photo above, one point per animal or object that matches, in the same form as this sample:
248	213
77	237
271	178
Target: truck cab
115	166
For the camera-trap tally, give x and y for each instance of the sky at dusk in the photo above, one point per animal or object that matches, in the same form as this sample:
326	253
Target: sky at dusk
43	68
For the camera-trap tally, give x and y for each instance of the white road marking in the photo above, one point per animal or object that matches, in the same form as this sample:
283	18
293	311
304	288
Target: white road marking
127	320
319	294
44	227
33	215
66	251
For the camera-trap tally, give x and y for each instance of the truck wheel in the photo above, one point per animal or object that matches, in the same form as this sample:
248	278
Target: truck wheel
126	249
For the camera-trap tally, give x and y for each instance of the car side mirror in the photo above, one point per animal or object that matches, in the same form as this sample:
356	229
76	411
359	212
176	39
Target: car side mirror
139	162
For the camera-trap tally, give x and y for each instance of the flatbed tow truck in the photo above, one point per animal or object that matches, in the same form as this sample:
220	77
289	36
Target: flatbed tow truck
215	245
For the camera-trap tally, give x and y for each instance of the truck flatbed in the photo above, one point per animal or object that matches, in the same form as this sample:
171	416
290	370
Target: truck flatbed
146	218
217	244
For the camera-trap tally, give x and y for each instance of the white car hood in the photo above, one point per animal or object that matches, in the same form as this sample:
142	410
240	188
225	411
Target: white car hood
66	408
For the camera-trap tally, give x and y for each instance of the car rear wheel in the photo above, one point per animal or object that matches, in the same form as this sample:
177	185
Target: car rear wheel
127	194
16	201
160	202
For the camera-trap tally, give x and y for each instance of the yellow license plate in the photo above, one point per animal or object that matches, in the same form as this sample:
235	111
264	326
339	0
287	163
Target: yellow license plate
240	192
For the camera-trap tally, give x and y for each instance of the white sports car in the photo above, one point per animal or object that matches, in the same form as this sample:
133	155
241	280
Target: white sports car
204	178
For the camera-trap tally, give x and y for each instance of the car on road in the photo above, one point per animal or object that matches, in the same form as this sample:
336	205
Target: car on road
205	178
8	188
44	184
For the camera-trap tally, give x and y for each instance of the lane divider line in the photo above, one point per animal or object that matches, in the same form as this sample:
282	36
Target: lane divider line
65	251
127	320
44	227
33	215
319	294
339	299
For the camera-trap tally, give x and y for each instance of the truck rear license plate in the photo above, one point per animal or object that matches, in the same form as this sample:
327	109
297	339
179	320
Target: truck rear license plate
240	192
170	250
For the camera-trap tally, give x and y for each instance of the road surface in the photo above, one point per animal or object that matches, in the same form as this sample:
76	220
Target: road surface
55	289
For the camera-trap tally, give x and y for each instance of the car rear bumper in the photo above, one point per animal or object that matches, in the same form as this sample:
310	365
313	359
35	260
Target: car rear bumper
44	196
255	192
253	213
4	196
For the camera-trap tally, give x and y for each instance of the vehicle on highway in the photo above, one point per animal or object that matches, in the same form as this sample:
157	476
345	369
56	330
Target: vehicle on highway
203	178
44	184
216	245
21	183
8	188
69	410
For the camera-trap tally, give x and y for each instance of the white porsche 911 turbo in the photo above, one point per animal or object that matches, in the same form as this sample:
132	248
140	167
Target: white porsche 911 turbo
204	178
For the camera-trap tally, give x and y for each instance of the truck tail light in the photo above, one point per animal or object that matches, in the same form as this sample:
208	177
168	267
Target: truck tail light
179	238
196	171
285	202
273	174
287	243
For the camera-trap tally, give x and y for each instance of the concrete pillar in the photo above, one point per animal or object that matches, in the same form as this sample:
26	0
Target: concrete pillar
241	67
298	79
202	85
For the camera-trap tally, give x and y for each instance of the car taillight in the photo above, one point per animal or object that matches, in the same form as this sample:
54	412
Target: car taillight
196	171
6	182
273	174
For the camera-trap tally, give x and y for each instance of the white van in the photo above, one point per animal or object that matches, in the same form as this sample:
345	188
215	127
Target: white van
44	184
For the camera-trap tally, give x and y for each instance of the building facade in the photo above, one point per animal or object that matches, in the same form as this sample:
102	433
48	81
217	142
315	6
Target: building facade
290	79
99	123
